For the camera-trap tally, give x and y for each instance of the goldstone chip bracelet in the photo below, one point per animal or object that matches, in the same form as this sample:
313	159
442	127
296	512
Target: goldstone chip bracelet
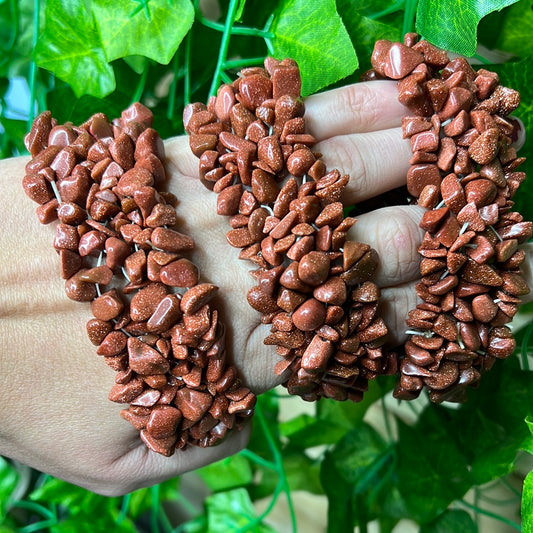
154	321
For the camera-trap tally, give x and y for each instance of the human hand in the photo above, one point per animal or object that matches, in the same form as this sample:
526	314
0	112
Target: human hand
62	421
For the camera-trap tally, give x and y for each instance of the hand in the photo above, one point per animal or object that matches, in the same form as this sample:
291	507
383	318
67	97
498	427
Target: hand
57	417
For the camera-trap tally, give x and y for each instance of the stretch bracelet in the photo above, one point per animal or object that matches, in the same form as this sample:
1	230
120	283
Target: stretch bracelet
153	321
312	285
464	172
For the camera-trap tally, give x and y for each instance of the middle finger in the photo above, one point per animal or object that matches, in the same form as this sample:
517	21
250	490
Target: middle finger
376	162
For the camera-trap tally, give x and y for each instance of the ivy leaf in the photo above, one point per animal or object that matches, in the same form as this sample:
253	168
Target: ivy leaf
490	427
348	470
453	520
14	130
365	31
516	30
227	474
432	471
452	24
76	499
231	511
302	473
316	38
333	419
527	504
70	47
150	28
348	414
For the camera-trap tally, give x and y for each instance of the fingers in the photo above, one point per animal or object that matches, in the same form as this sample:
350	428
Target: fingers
179	158
396	302
358	108
376	162
394	233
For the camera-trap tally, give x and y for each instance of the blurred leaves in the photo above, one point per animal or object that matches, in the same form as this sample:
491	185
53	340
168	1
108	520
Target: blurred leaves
233	511
527	504
516	30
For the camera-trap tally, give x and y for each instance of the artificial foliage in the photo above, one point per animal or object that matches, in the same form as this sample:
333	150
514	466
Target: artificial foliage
436	466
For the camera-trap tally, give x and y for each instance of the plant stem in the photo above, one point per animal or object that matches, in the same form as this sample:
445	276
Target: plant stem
142	82
15	24
279	464
35	508
155	504
257	459
33	65
174	85
387	11
187	77
256	521
224	44
124	508
386	418
43	525
242	63
482	59
510	487
163	518
491	515
409	16
236	30
524	348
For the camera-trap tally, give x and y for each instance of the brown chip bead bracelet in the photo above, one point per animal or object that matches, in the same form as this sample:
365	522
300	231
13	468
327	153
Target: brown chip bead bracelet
313	286
464	171
154	321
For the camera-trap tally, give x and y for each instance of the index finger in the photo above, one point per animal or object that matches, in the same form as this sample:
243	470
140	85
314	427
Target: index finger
358	108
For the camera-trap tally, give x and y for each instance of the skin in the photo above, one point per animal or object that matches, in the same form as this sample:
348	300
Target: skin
57	417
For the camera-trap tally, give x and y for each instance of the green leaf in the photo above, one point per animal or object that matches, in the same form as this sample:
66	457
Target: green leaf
333	419
348	470
12	140
76	499
348	414
364	31
527	504
70	47
432	471
317	39
227	474
490	427
454	520
94	523
150	28
8	481
516	30
230	511
452	24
